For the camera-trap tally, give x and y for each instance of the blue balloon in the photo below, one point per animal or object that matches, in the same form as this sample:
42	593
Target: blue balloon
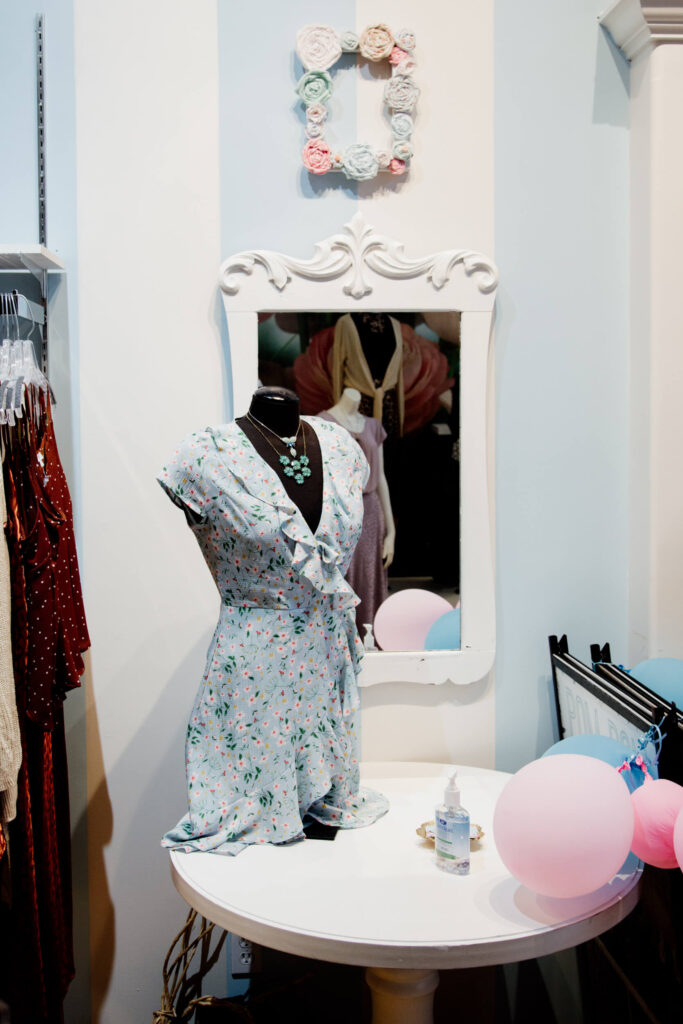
604	748
664	676
444	634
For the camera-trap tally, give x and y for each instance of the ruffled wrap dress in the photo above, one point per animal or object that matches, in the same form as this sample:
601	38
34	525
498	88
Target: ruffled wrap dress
272	736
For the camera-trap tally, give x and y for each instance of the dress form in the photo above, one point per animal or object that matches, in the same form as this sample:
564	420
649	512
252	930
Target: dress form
276	412
345	411
377	341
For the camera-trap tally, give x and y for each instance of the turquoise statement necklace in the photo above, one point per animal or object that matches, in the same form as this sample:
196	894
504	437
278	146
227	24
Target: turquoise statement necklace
293	464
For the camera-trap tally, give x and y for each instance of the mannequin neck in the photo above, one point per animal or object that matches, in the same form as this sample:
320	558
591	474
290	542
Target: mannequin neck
346	410
277	409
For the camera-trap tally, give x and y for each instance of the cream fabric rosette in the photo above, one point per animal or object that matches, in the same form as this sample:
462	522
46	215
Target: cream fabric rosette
383	159
405	39
401	93
318	47
316	113
406	67
376	43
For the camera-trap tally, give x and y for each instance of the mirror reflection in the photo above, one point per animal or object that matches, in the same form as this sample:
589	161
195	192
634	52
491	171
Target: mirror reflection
393	381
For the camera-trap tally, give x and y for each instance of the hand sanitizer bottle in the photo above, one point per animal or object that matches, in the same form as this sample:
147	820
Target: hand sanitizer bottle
452	832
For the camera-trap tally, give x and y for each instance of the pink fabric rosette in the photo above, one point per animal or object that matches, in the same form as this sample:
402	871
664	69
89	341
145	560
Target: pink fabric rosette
376	43
317	157
397	166
425	376
397	55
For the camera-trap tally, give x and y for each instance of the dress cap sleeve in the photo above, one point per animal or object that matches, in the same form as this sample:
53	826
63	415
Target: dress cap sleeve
184	476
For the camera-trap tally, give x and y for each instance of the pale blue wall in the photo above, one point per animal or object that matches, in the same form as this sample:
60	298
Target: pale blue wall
561	146
268	200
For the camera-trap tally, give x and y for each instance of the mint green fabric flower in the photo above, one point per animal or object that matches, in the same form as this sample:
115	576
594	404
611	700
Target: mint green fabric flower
314	87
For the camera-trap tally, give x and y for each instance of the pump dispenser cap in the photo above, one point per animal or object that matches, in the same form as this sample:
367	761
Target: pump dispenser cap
451	796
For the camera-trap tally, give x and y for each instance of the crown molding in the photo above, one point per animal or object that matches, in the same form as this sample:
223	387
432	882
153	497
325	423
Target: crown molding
638	27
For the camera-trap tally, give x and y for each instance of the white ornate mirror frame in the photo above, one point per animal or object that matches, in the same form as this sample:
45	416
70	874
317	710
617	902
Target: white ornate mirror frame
360	270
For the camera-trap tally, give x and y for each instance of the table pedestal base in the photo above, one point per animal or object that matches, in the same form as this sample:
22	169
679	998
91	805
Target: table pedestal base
401	996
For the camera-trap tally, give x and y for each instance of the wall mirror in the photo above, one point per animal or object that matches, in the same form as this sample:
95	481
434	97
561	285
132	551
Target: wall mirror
407	340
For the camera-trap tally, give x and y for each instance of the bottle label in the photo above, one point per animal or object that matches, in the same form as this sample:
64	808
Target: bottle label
452	840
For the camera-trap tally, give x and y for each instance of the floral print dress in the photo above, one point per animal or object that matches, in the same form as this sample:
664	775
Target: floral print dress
272	735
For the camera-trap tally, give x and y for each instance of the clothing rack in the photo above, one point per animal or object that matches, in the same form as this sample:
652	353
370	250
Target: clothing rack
36	259
17	305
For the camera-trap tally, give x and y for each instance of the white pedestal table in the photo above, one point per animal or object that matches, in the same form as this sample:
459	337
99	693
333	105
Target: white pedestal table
374	897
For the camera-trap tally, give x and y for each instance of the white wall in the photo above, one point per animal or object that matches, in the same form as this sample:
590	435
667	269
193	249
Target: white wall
151	370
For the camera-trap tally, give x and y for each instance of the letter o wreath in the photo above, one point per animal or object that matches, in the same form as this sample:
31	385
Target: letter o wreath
318	48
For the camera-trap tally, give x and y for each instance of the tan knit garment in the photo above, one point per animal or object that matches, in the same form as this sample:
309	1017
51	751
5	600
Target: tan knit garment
10	740
350	367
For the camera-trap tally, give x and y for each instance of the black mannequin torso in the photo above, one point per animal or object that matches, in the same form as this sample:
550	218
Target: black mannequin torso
377	341
276	412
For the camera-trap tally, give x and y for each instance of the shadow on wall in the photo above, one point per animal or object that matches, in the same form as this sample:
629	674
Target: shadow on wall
97	822
612	83
140	798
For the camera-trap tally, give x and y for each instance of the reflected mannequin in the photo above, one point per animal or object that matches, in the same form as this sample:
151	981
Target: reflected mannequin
367	355
367	573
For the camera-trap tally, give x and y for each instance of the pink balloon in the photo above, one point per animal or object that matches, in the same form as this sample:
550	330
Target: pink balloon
404	619
656	804
678	839
563	825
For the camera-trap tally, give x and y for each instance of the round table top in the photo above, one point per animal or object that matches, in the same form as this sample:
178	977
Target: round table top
375	897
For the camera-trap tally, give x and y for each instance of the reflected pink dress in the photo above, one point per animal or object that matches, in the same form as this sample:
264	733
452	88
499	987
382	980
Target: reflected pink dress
366	574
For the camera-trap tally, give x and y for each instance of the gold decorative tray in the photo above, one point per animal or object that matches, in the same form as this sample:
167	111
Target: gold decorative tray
426	831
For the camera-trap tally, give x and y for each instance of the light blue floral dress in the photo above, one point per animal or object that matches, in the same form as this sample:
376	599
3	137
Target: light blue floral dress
273	735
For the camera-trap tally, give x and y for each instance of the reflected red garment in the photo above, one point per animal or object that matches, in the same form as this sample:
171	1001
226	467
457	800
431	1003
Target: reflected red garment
425	377
48	636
